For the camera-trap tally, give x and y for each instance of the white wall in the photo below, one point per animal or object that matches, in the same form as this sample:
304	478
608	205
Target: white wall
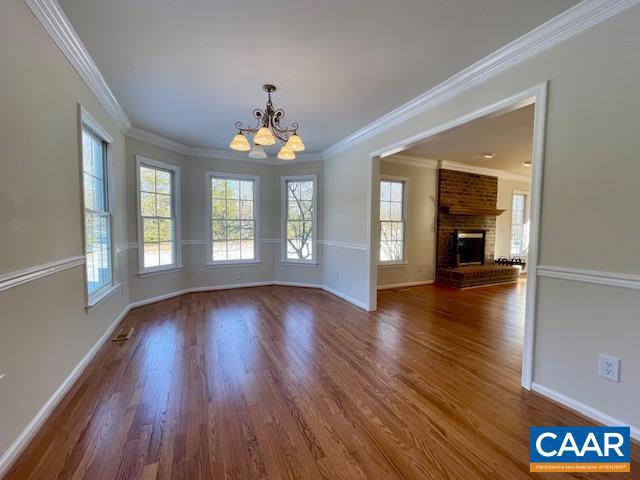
420	227
590	192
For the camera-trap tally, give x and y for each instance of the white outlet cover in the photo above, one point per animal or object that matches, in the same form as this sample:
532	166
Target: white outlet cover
609	367
2	375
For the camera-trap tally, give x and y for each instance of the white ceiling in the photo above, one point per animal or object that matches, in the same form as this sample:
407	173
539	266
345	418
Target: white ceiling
188	69
509	136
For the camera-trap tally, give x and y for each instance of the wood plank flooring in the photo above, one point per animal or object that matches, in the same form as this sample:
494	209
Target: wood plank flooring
283	382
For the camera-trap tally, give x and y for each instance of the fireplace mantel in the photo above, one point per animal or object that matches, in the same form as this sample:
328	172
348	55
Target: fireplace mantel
454	210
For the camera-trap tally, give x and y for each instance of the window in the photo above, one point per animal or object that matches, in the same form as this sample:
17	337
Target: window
97	212
299	214
519	224
233	218
392	219
158	216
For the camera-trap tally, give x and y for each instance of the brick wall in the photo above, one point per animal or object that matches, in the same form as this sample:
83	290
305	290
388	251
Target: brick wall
465	190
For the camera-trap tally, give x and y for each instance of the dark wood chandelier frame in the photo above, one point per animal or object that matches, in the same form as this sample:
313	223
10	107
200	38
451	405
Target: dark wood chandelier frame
271	119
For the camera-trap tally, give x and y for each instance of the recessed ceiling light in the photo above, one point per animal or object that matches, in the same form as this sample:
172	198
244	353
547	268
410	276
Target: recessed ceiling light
488	155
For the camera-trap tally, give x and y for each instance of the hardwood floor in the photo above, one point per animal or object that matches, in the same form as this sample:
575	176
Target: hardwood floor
283	382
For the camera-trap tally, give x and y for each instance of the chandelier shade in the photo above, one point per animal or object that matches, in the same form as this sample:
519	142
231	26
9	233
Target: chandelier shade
268	131
286	154
240	143
264	137
295	143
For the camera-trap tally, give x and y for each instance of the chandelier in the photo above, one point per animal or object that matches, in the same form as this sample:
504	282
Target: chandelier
268	131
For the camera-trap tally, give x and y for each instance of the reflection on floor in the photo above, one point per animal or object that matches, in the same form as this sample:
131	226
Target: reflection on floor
283	382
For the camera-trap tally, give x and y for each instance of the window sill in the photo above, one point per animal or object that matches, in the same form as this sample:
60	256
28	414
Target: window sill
289	263
233	264
392	264
96	299
162	271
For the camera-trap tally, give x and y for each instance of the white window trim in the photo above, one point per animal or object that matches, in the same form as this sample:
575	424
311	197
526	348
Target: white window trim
87	121
142	271
403	261
283	221
526	218
210	262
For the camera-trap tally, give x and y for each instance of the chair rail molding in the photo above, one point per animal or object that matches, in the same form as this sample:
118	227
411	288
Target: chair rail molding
19	277
340	244
596	277
569	23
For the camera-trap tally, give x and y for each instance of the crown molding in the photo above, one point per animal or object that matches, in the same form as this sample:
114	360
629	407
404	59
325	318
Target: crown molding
160	141
491	172
411	161
577	19
55	22
571	22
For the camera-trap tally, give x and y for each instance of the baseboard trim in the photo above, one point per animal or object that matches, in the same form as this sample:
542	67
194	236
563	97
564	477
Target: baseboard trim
584	409
20	443
343	296
391	286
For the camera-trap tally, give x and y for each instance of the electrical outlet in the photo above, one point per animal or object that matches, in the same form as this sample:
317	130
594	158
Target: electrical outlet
237	275
609	367
2	375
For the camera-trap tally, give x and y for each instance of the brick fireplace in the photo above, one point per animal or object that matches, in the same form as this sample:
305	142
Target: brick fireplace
466	212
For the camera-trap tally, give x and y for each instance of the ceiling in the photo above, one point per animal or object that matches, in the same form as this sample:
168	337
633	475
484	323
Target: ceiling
509	136
188	69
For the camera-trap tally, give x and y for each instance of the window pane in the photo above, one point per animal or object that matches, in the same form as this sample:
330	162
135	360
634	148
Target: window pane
218	208
233	250
98	164
247	249
151	255
396	191
246	230
166	230
385	191
233	189
233	230
166	253
218	188
147	204
87	162
220	251
150	230
246	210
246	190
147	179
164	205
306	192
219	229
89	192
396	211
163	182
385	211
233	209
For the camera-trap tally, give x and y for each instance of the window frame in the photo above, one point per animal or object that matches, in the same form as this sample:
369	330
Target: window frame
525	217
88	123
313	261
175	176
405	189
209	175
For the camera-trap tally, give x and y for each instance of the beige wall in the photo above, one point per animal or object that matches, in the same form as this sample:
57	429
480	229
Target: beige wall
590	192
46	330
420	233
195	273
503	221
